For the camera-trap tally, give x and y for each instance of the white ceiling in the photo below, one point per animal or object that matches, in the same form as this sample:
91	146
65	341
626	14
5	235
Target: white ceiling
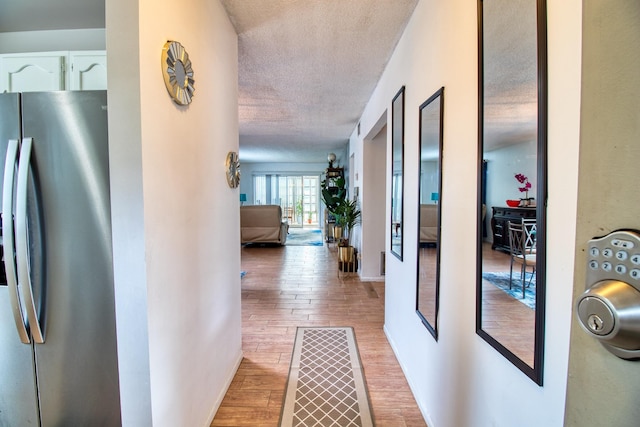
307	69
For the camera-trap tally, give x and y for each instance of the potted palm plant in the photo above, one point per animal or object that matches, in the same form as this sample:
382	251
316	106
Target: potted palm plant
334	194
348	216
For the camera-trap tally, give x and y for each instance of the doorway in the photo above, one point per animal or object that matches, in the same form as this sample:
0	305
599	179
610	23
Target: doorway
299	199
297	195
374	194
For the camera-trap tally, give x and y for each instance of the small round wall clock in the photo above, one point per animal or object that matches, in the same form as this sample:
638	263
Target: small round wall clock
177	73
233	169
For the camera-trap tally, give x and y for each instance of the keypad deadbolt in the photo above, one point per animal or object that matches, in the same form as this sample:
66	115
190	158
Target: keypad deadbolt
609	309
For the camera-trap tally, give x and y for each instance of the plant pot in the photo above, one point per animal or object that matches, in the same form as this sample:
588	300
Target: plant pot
346	253
337	232
347	259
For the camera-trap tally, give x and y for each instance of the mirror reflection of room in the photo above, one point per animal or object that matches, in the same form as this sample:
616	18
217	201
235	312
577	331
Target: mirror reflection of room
509	178
397	174
429	213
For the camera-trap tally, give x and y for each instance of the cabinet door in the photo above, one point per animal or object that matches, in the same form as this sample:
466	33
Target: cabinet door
32	72
88	70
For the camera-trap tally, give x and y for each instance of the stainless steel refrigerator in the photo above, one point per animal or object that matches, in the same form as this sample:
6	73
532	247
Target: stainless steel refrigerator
58	357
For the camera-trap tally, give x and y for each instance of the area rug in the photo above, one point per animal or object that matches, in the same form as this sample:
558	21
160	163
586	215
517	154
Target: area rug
501	281
326	384
304	237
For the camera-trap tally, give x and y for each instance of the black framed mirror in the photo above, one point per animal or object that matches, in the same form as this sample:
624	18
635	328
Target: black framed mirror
512	120
431	120
397	173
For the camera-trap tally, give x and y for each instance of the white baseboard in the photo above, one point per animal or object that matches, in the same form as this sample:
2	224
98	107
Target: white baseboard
425	415
218	402
372	278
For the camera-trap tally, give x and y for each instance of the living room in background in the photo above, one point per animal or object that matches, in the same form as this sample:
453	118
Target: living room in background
298	195
430	144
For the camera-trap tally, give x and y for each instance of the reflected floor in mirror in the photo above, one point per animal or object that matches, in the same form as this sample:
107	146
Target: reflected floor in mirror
505	317
427	282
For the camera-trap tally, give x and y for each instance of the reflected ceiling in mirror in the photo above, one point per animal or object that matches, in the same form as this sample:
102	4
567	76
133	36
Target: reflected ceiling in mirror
510	72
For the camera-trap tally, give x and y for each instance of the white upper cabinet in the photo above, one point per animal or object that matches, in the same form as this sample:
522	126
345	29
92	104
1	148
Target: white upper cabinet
69	70
32	72
88	70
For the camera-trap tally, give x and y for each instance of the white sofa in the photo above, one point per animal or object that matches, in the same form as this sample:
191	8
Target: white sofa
428	223
262	224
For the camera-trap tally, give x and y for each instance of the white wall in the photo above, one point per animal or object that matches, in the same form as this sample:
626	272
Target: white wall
46	41
175	220
127	215
502	165
460	380
429	177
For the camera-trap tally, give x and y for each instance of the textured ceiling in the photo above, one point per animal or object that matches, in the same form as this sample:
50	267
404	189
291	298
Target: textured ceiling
510	72
307	69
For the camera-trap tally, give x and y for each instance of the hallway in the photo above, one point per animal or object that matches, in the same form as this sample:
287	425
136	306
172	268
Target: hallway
286	287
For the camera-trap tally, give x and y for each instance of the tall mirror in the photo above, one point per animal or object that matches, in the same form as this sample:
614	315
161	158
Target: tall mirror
430	196
512	181
397	173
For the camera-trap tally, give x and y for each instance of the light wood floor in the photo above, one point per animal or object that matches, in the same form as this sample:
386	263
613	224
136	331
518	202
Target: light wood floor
505	318
292	286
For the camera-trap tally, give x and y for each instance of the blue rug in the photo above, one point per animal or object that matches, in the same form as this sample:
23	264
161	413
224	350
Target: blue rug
501	281
304	237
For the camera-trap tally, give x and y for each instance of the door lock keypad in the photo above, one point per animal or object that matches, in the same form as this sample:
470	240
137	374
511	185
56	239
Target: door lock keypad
615	257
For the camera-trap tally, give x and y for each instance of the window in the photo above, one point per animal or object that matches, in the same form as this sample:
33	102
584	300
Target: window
260	190
298	195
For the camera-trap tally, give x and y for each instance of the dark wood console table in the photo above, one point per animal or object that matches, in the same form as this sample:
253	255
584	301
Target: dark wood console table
501	216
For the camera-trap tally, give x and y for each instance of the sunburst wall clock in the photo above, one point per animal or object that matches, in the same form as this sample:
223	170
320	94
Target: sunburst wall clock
177	73
233	169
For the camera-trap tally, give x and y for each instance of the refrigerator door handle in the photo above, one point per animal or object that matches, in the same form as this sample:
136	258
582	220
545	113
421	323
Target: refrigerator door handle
8	242
22	245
